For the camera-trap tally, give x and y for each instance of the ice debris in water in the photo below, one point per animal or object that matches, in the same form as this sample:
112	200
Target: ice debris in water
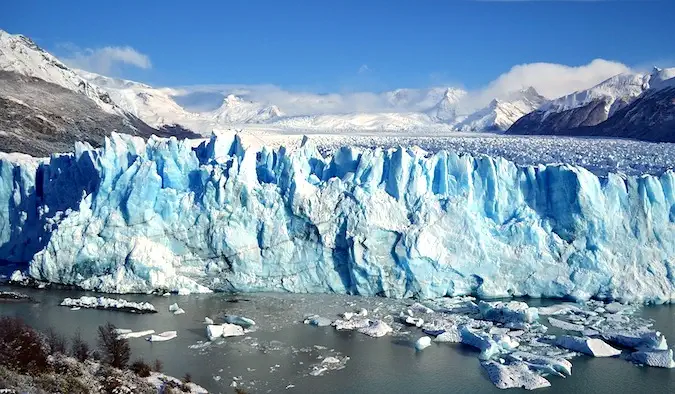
244	322
376	329
175	309
214	331
208	320
422	343
109	303
316	320
515	375
590	346
505	312
654	358
135	334
449	224
162	337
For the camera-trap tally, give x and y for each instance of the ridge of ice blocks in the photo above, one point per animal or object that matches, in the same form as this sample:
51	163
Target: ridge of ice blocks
590	346
135	216
514	375
654	358
505	312
109	303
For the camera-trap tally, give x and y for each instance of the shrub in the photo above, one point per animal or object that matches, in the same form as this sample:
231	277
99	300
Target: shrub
140	368
159	365
57	343
115	351
79	347
22	349
187	378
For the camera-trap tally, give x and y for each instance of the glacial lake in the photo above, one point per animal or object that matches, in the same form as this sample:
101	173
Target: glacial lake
279	355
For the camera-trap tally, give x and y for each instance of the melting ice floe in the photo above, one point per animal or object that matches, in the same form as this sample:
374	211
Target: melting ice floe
137	216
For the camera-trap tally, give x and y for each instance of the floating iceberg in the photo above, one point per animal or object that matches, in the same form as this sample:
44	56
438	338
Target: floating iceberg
109	303
590	346
654	358
162	337
135	216
244	322
506	312
376	329
514	375
423	343
135	334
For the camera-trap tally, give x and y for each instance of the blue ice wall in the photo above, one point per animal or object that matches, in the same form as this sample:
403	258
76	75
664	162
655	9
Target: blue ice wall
135	216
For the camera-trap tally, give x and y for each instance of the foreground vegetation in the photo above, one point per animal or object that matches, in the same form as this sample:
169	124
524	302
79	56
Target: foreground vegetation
35	362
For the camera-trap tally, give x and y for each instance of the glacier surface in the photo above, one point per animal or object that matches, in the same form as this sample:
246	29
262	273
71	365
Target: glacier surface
136	216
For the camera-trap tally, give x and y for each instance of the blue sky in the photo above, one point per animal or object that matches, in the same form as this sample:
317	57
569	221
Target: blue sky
341	45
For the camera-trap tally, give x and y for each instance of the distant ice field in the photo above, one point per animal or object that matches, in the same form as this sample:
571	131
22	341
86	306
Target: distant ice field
599	155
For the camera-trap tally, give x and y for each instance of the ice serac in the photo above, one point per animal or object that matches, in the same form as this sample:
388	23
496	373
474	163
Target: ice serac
164	214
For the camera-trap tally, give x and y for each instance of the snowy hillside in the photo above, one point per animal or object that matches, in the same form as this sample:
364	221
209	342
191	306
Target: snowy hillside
575	113
21	55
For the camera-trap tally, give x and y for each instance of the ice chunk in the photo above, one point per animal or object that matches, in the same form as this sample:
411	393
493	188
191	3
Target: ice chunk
590	346
316	320
122	331
515	375
566	325
135	334
352	324
654	358
482	341
232	330
376	329
451	335
244	322
504	312
162	337
214	331
414	321
555	365
636	339
109	303
420	308
175	309
558	309
423	343
208	320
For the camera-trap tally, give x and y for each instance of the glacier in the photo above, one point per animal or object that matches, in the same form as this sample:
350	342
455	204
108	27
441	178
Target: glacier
137	216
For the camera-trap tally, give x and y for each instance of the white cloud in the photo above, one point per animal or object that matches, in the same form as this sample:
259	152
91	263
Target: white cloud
104	60
549	79
364	69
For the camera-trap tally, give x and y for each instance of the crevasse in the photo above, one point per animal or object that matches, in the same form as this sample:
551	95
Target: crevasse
135	216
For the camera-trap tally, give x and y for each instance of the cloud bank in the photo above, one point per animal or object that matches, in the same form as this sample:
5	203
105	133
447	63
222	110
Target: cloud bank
549	79
106	60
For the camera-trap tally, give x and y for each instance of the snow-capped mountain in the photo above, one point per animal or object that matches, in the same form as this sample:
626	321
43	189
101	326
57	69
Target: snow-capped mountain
422	100
589	107
499	115
236	110
445	110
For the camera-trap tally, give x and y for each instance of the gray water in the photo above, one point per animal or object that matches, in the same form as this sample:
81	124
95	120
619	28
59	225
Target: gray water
282	350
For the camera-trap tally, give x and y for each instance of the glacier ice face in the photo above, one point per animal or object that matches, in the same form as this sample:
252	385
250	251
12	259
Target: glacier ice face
163	214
